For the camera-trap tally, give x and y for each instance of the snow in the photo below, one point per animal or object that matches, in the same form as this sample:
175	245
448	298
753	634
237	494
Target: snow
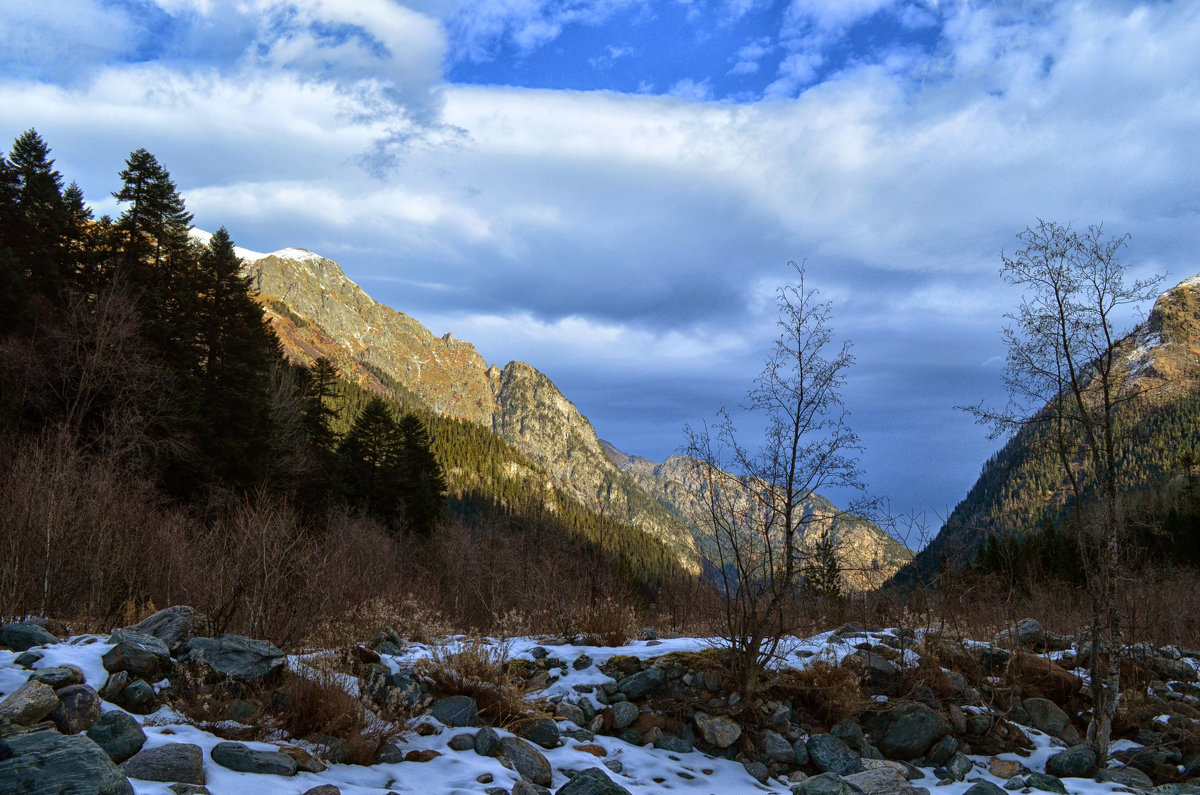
298	254
645	770
200	236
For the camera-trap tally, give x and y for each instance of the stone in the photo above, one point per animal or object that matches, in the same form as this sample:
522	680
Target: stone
640	684
425	755
243	759
882	781
456	711
29	703
1042	678
879	672
570	712
593	749
673	744
189	789
830	755
234	657
943	749
182	762
542	731
24	635
142	656
959	766
49	763
591	781
717	730
1126	777
305	761
323	789
983	788
78	708
1026	634
487	741
527	760
138	697
582	662
1047	716
174	625
1075	762
848	732
824	784
389	754
777	749
1006	768
758	771
624	713
119	734
801	751
909	730
111	691
59	676
462	742
526	788
27	659
1045	783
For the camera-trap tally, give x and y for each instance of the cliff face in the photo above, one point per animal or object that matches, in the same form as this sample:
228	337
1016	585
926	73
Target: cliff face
317	311
867	555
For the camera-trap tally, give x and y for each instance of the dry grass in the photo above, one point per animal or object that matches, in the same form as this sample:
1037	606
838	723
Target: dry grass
478	667
608	623
826	691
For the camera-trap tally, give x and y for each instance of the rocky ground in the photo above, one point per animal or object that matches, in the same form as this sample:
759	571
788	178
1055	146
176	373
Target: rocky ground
162	707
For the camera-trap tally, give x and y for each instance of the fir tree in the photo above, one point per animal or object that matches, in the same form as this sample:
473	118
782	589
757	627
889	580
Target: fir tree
370	462
424	488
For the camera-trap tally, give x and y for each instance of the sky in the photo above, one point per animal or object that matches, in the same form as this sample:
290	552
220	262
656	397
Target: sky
611	190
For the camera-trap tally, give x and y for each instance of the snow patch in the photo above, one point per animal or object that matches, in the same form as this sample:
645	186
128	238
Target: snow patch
202	237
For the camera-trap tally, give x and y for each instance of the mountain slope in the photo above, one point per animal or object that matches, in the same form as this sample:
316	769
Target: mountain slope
868	556
317	311
1020	487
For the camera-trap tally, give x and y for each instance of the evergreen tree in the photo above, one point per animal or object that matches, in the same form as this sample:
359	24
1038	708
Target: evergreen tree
38	224
370	462
319	415
424	488
15	311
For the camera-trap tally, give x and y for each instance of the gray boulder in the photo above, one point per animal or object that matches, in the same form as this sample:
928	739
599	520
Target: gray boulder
1027	634
59	676
830	755
640	684
49	763
592	781
527	760
24	635
78	708
907	730
1125	776
1047	716
717	729
456	711
29	703
879	672
138	697
244	759
757	770
142	656
1075	762
487	741
112	687
521	788
234	657
776	748
624	713
174	626
542	731
984	788
824	784
882	781
182	762
119	734
1045	783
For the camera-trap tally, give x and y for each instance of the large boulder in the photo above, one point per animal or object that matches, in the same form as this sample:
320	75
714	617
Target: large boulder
638	685
592	781
29	703
1047	716
59	676
175	625
78	708
141	656
234	657
907	731
24	635
1038	677
882	781
1075	762
456	711
1026	634
119	734
244	759
542	731
824	784
717	729
879	672
527	760
830	755
182	762
49	763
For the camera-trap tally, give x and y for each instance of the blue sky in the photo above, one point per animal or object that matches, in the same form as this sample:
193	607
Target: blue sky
611	189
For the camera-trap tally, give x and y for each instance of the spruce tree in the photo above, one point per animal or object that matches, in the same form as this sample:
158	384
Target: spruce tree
370	463
424	488
38	223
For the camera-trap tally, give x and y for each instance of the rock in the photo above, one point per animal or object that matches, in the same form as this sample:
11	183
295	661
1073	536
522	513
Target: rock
305	761
717	730
401	689
848	732
676	745
426	755
138	697
1042	678
592	781
323	789
59	676
462	742
48	763
1045	783
542	731
29	703
959	766
27	659
824	784
1074	762
983	788
525	788
182	762
624	713
174	626
456	711
908	730
1006	768
943	749
1027	634
638	685
389	754
777	749
487	741
111	691
758	771
570	712
189	789
24	635
1125	776
244	759
879	672
582	662
1047	716
234	657
142	656
527	760
831	755
78	708
119	734
882	781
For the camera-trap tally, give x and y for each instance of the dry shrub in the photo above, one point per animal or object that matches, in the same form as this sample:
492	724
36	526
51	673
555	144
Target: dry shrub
478	667
827	691
361	623
608	623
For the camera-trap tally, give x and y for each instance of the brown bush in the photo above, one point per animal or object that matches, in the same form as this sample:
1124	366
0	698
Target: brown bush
826	691
478	667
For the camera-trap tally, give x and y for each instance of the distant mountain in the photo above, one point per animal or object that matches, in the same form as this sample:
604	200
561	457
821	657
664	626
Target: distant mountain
867	554
317	311
1020	487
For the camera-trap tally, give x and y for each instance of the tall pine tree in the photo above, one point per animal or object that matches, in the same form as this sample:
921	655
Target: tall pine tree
370	463
424	487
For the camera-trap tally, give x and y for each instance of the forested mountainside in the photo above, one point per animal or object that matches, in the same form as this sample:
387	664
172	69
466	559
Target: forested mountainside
866	555
1160	449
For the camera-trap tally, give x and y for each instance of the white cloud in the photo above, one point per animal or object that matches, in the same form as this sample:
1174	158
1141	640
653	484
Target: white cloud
479	27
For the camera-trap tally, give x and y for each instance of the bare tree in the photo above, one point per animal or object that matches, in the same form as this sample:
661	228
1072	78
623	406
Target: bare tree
760	503
1070	391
